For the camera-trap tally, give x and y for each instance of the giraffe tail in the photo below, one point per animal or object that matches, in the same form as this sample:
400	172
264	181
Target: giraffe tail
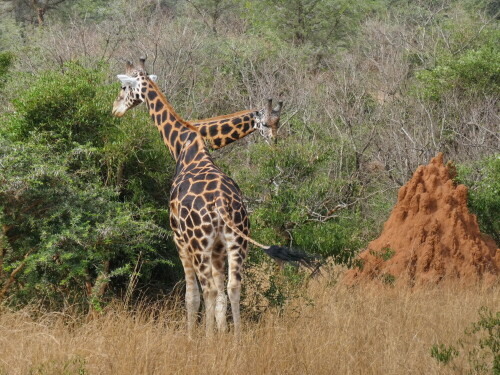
295	256
280	254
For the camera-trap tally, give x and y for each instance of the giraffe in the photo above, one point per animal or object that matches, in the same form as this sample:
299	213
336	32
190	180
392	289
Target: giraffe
222	130
207	214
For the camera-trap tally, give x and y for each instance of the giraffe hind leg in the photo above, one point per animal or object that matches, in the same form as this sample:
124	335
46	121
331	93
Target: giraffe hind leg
192	290
218	271
204	273
236	256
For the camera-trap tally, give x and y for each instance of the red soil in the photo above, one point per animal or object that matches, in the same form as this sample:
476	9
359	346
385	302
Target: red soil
430	237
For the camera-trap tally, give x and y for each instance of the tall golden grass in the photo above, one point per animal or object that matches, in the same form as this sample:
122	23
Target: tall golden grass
362	330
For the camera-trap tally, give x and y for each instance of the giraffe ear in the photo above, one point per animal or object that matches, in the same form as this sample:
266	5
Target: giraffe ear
126	80
153	77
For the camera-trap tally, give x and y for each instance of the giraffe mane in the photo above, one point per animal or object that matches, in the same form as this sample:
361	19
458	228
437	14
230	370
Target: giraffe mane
222	117
170	108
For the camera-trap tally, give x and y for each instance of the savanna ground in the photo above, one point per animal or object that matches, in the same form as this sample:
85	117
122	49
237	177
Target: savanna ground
341	330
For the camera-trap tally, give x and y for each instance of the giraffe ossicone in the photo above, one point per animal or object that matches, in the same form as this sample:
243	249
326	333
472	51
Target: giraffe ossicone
207	213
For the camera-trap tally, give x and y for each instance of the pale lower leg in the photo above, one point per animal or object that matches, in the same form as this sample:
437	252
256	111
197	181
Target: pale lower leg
205	276
234	289
234	292
192	290
209	296
221	300
192	300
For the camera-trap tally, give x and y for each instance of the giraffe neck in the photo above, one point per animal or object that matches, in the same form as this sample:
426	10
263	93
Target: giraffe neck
223	130
174	130
194	154
182	139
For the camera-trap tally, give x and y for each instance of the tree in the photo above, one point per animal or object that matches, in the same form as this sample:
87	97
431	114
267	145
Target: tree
212	9
31	9
320	22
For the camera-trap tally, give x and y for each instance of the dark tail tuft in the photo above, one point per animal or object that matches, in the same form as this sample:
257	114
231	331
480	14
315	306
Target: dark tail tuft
284	254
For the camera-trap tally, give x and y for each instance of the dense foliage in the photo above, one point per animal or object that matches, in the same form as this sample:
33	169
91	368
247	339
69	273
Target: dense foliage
371	90
484	188
75	213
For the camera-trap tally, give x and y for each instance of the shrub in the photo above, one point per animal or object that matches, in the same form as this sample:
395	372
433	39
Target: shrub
6	60
476	71
483	180
290	197
68	233
62	108
485	356
444	354
481	344
78	211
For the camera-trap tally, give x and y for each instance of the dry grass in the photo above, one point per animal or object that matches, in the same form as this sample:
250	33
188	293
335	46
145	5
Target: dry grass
346	331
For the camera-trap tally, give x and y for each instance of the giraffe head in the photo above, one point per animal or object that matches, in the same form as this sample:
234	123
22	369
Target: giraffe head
267	120
133	89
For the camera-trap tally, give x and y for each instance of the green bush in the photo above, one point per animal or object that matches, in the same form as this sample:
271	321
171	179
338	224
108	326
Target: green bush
62	108
485	356
483	180
481	345
6	60
70	110
84	196
65	228
476	71
335	238
444	354
290	196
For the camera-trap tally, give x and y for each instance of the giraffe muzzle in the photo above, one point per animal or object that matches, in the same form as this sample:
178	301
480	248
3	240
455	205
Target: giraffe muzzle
118	110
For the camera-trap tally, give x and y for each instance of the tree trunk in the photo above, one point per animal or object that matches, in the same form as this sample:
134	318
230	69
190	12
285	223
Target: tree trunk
12	277
41	14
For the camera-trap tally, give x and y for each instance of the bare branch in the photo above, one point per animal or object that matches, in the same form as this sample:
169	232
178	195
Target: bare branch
12	277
